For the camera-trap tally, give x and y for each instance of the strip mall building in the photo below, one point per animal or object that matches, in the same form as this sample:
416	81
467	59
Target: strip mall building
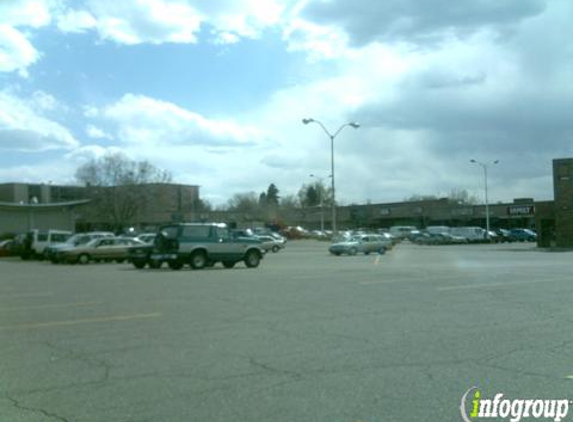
24	207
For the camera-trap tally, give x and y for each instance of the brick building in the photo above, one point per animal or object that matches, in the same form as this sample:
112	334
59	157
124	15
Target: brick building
563	193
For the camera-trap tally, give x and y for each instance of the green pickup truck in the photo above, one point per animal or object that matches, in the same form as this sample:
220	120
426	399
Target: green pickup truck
199	245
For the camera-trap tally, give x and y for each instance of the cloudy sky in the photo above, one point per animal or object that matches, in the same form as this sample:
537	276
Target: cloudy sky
215	91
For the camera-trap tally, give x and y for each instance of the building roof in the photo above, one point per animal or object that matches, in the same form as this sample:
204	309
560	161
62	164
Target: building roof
44	206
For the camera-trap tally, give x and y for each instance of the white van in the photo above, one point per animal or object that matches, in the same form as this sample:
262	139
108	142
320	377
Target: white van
472	234
438	229
37	240
402	231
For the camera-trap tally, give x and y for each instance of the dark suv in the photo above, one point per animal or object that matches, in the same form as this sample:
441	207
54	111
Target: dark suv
199	245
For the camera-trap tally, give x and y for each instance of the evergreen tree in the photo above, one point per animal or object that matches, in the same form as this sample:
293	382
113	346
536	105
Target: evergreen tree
272	195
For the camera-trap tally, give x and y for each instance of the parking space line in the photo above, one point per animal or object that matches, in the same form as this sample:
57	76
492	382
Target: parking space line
36	294
486	285
56	305
366	283
80	321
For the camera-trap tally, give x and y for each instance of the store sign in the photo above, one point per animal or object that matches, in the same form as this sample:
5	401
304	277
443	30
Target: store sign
520	210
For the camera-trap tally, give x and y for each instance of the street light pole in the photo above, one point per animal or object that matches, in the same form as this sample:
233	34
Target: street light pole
332	136
484	166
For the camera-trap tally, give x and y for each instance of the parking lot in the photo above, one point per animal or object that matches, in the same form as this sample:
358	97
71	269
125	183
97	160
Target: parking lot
305	337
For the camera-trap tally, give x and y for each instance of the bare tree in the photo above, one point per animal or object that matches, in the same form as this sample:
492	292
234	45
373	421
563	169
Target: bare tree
289	202
463	197
245	203
116	185
456	196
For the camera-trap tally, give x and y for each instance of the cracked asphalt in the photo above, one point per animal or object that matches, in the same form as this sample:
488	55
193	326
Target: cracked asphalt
305	337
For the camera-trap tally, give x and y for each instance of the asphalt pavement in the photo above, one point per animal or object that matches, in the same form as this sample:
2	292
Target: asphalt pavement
304	337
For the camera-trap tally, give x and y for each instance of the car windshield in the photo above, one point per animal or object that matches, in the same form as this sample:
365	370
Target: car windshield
76	239
93	243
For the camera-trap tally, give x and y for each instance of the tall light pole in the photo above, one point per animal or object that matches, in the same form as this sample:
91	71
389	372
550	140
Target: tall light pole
320	199
332	136
485	166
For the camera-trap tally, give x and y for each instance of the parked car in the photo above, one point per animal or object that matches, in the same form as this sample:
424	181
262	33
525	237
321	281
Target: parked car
439	239
36	241
146	237
402	232
52	252
438	229
394	239
6	247
504	235
472	234
361	243
199	245
101	249
523	235
271	243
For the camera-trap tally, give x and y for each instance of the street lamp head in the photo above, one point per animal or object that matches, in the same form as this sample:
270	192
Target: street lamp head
354	125
472	161
307	121
496	161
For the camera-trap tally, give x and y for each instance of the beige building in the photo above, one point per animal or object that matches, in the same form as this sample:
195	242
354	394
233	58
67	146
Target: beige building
18	218
28	206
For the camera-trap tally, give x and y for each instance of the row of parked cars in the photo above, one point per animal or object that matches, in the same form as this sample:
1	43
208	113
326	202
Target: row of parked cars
442	235
198	245
354	242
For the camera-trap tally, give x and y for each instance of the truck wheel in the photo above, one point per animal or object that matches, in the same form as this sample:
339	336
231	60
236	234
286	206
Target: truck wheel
175	265
228	264
139	264
198	260
84	259
252	259
275	249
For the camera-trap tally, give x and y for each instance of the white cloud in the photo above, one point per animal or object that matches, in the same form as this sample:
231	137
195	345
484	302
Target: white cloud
42	101
88	152
320	41
24	128
76	21
142	120
16	52
34	13
135	22
57	172
233	20
163	21
97	133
